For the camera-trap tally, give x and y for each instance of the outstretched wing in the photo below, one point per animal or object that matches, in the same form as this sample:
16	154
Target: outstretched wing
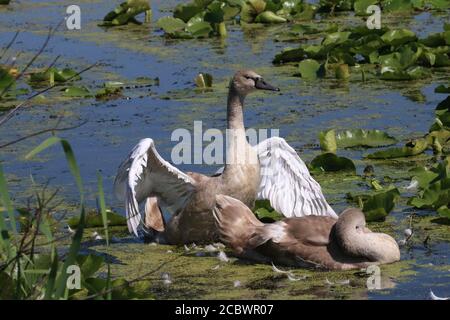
287	183
145	173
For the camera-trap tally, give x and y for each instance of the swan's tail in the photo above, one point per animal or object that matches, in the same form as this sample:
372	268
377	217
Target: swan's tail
238	226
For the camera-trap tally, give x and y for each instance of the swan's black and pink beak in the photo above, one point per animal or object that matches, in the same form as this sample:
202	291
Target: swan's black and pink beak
262	85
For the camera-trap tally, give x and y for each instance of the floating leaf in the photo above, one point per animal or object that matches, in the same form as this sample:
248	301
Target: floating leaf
77	92
361	6
310	69
378	206
336	38
269	17
397	5
200	29
204	80
412	73
89	264
328	140
355	138
186	11
126	12
434	196
94	220
171	25
398	37
264	211
342	72
5	79
444	212
329	162
412	148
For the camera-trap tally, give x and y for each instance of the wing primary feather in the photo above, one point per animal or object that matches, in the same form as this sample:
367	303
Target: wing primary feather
287	183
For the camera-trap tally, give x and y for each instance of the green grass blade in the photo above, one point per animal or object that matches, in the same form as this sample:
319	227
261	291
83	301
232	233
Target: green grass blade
71	257
52	276
70	157
44	145
101	200
6	201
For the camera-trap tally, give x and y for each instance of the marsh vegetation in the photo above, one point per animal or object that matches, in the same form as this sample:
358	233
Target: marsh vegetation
367	110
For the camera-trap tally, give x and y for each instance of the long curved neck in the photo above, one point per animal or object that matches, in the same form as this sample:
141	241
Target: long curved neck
376	247
235	116
239	151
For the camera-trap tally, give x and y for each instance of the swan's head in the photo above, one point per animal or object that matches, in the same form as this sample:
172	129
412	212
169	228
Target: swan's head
358	240
247	81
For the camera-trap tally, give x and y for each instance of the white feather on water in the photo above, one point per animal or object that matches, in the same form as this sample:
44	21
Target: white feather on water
435	297
223	257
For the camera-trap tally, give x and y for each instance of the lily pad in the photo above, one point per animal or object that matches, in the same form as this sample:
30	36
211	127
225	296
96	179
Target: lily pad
412	148
264	211
310	69
186	11
360	6
329	162
170	24
378	206
54	75
269	17
77	92
204	80
94	220
434	184
126	12
398	36
355	138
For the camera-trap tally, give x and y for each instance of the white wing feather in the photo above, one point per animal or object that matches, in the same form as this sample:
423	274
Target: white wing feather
287	183
145	173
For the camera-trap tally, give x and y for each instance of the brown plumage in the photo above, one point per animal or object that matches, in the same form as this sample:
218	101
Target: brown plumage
311	241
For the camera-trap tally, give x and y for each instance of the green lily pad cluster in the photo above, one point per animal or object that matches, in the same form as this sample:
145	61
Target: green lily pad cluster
438	138
330	140
126	13
330	162
376	206
206	18
200	19
439	135
51	75
394	6
434	185
398	53
273	11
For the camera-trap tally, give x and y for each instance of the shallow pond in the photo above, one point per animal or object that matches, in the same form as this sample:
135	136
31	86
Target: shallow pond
300	111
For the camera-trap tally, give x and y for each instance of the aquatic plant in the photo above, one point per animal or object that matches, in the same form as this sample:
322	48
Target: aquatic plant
394	54
31	267
126	13
330	140
434	185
